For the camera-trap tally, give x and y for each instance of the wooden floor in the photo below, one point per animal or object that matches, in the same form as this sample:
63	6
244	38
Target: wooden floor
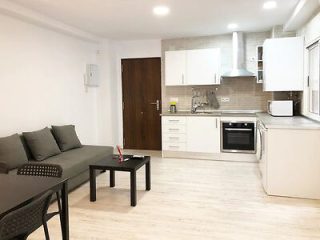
189	200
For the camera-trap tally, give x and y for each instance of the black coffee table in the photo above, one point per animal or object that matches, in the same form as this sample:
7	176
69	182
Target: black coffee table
111	163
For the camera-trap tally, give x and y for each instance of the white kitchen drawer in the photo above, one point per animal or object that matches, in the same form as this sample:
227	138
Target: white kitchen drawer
174	128
174	138
174	120
174	146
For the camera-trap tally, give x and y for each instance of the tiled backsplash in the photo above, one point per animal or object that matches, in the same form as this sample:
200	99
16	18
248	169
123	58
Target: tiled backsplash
244	93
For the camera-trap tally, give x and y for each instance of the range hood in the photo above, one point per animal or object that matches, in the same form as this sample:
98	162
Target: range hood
238	52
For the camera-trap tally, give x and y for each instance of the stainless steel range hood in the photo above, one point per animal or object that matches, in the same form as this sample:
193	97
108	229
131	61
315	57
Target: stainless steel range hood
239	69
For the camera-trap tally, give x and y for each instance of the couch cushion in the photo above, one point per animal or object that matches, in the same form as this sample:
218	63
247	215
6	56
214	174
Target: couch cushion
66	137
77	160
12	151
42	144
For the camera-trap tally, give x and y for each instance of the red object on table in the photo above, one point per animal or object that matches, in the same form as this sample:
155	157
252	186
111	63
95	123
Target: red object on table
120	154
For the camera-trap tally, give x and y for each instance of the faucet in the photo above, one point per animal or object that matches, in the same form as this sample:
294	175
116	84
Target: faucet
195	105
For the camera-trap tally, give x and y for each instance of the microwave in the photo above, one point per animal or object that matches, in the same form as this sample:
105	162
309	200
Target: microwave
280	108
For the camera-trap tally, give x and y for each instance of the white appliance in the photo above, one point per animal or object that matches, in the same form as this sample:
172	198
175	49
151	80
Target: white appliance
92	75
280	108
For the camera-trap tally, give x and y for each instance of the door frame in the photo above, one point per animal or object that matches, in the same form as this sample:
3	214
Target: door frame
122	139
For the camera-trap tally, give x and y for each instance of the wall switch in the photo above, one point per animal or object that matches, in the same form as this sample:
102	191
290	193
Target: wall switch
252	59
225	99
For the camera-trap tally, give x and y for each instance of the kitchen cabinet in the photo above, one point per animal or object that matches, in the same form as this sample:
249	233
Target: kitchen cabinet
192	67
203	67
175	68
289	161
259	64
191	134
203	134
174	134
283	64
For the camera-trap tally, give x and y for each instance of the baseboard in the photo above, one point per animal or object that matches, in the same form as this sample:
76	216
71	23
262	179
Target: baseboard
241	157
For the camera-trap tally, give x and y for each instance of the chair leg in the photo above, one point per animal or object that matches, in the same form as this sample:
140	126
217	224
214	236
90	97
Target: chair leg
59	201
46	231
60	209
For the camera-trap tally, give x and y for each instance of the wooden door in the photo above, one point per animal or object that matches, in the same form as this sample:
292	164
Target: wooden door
141	94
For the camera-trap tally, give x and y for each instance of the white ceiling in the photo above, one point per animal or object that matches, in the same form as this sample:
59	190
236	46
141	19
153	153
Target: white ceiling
133	19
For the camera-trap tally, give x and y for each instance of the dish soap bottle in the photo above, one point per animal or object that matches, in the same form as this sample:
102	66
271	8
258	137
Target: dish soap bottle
173	107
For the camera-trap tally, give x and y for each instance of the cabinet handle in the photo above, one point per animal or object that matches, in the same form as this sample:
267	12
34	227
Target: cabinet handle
174	120
174	129
177	138
173	146
216	122
215	78
182	78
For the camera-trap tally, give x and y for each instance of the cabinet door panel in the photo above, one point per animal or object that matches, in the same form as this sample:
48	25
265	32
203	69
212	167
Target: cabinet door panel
203	67
283	64
175	67
203	134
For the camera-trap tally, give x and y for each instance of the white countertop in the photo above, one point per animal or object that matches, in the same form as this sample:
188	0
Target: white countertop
296	122
215	113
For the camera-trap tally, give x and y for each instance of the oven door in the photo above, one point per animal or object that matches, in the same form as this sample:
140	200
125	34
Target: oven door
238	137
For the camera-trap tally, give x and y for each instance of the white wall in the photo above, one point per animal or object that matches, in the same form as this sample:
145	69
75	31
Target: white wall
106	95
41	75
130	49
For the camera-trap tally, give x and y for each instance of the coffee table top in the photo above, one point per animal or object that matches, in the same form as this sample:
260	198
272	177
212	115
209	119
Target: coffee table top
112	163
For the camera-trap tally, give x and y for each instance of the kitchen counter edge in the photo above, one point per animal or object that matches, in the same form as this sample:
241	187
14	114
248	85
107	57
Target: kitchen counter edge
295	122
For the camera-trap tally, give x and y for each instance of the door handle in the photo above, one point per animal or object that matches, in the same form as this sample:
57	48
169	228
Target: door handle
157	103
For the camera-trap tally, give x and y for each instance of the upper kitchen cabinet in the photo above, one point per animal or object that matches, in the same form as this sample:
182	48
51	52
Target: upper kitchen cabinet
175	68
192	67
203	67
283	64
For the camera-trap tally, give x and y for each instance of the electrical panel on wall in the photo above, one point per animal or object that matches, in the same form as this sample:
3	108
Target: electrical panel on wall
92	75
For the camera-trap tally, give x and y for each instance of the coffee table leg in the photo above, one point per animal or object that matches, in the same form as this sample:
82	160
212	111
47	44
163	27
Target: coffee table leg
92	185
148	177
133	188
112	178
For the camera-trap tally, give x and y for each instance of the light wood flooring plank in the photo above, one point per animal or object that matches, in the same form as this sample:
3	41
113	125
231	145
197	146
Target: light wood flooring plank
189	200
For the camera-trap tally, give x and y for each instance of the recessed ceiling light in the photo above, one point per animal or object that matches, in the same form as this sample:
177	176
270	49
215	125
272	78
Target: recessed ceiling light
270	5
161	10
232	26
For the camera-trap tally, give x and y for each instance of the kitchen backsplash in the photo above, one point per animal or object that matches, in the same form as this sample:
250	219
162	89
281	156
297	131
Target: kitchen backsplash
244	94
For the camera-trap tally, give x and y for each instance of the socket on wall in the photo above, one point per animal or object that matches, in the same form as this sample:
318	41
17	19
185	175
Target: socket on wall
225	99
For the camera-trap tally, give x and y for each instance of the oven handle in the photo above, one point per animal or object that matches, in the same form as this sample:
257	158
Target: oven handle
238	129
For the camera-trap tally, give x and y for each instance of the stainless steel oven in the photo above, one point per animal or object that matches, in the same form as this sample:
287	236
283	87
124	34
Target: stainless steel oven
238	137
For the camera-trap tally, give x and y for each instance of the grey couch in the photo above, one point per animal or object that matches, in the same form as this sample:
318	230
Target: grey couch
75	162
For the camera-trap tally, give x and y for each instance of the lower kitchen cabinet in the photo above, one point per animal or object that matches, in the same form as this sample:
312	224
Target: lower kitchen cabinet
174	137
203	134
289	162
197	134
